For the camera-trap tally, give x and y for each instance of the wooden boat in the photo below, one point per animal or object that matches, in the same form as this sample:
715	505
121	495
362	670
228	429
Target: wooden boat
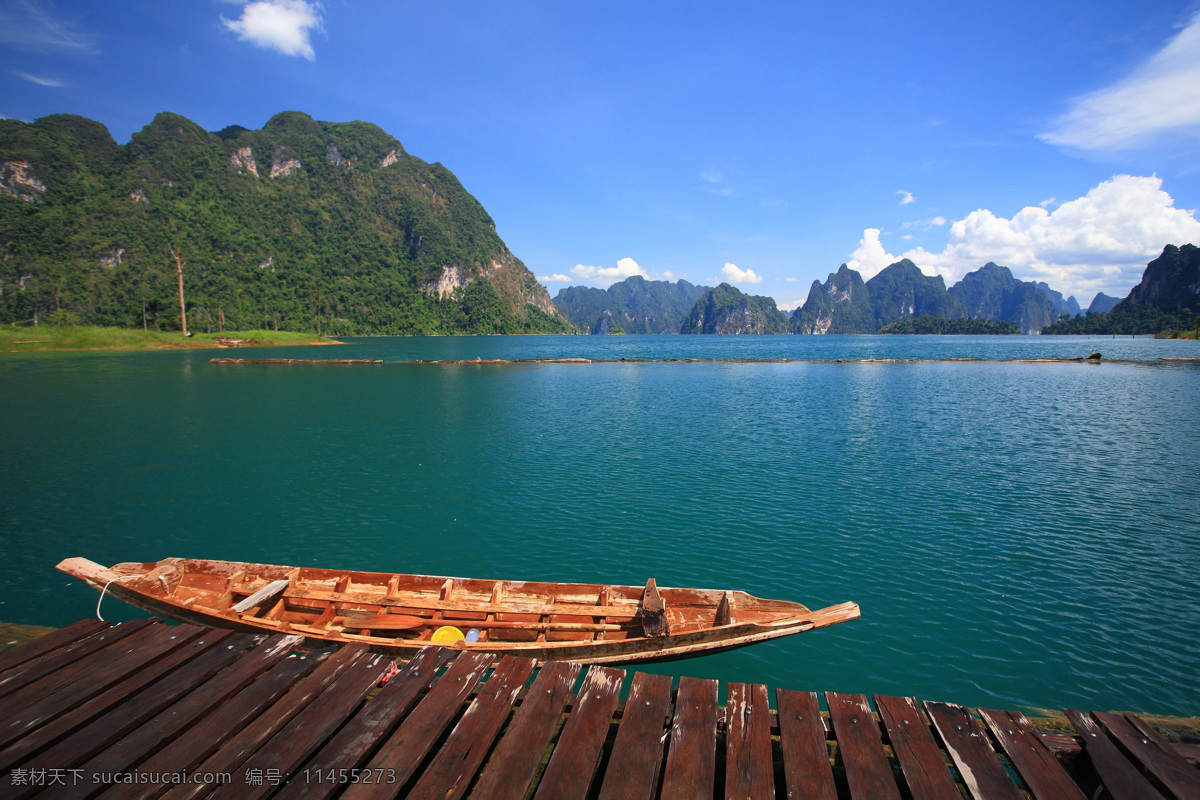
399	614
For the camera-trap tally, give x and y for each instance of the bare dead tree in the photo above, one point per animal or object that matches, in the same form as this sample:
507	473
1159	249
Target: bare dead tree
179	269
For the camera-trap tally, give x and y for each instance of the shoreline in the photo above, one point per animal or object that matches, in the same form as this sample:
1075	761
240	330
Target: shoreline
51	339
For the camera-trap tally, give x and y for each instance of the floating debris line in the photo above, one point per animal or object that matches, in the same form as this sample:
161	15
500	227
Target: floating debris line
1091	359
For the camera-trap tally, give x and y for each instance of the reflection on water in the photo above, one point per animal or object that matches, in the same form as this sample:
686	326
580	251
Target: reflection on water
1016	534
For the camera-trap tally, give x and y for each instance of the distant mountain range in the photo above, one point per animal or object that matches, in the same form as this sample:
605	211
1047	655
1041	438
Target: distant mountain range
847	304
635	305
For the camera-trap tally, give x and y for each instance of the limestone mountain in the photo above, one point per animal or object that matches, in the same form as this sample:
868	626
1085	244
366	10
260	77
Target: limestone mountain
901	291
992	293
635	305
1166	299
299	224
726	310
841	305
1102	303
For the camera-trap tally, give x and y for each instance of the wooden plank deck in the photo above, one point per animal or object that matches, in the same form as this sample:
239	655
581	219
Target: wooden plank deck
146	710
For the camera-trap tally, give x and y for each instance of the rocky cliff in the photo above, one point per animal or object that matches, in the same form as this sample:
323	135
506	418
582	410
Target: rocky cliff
635	305
726	310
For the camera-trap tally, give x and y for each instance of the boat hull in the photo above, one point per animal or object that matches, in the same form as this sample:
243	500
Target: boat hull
184	590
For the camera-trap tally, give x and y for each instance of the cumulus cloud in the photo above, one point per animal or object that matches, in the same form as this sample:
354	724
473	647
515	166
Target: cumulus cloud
557	277
1161	97
788	308
906	197
1096	243
281	25
41	81
732	274
606	276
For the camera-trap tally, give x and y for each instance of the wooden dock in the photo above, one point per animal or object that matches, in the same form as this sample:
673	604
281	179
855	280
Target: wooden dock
147	710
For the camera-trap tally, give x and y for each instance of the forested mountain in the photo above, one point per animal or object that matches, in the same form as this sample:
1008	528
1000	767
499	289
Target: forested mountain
901	291
299	224
992	293
841	305
635	305
1167	298
727	310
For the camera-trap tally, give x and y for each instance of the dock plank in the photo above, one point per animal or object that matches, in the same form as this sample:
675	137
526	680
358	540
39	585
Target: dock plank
449	774
967	743
749	772
235	752
692	755
99	734
1170	768
920	758
202	739
860	747
288	749
29	683
401	755
573	764
55	640
355	743
40	726
1041	772
132	749
1122	779
510	770
806	767
637	752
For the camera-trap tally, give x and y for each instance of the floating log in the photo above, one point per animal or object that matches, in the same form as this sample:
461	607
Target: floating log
294	361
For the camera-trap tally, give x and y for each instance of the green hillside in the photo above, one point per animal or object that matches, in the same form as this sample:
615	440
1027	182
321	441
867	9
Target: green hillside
300	225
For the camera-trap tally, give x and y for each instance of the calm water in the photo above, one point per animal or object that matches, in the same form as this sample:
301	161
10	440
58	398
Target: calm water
1016	534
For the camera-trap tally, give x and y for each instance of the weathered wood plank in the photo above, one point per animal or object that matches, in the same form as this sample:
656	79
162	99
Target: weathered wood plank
52	641
517	756
632	770
235	752
692	755
129	669
920	758
967	743
29	683
868	772
1122	779
306	732
1041	772
203	739
749	772
802	740
106	729
132	749
355	743
404	751
453	767
573	764
1159	758
654	612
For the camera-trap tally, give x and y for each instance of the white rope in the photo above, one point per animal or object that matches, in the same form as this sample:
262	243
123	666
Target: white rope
104	591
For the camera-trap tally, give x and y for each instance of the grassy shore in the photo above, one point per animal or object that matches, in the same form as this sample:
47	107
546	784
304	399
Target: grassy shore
49	337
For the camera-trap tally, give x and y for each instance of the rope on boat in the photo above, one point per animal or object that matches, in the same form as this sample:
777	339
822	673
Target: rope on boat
104	591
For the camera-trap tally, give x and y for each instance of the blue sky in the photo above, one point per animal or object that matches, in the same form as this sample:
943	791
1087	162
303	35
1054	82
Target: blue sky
760	143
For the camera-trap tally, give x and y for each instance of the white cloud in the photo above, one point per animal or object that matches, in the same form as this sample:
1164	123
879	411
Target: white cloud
711	176
789	279
40	81
1049	201
1161	97
788	308
732	274
669	275
606	276
282	25
557	277
1096	243
906	197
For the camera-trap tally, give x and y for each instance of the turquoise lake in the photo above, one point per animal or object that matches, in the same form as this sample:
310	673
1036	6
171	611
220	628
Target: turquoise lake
1018	535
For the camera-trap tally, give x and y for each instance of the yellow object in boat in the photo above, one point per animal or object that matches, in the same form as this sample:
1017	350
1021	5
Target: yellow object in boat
448	634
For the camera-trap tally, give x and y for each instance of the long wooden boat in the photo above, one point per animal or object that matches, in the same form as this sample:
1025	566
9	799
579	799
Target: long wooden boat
399	614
